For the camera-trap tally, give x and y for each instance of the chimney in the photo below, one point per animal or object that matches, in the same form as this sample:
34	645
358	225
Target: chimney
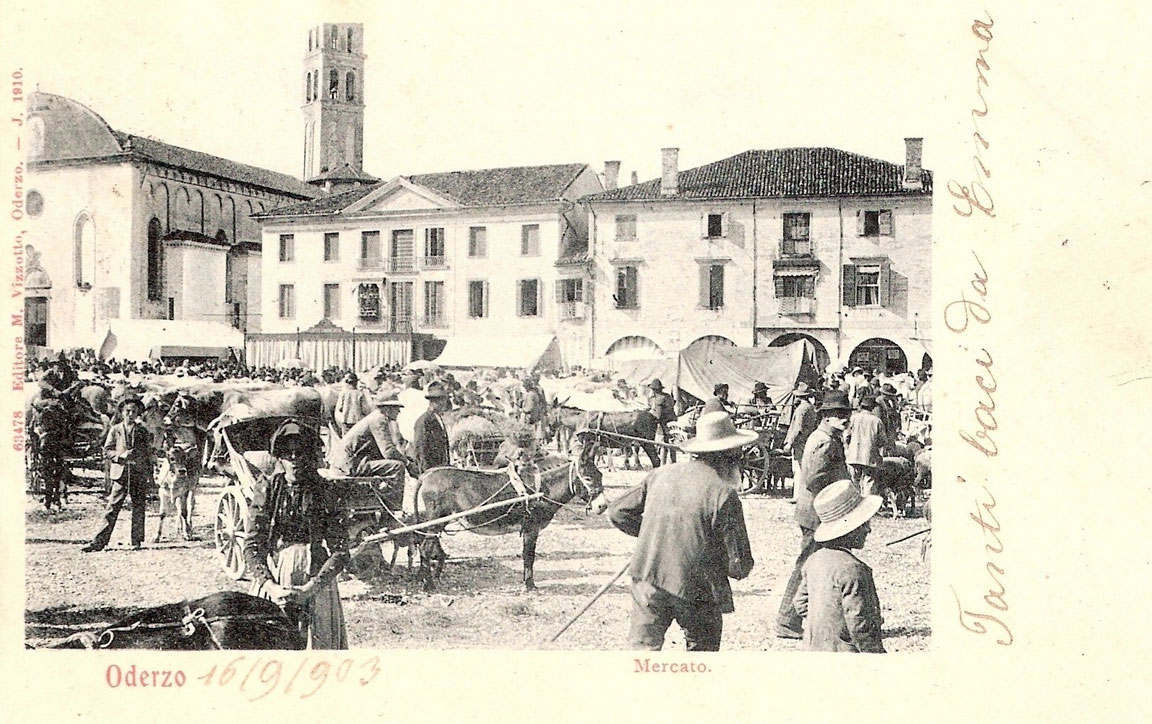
668	171
611	174
913	158
635	178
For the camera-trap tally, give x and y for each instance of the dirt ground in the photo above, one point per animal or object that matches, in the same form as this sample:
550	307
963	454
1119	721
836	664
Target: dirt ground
480	603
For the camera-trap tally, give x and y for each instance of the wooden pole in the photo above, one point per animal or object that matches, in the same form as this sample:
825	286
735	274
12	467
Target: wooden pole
596	596
388	534
913	535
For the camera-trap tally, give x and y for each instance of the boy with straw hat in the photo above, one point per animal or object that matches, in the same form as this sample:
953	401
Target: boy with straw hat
837	595
691	538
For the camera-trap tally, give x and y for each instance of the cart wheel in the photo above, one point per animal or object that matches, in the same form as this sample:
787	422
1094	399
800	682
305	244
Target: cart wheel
231	530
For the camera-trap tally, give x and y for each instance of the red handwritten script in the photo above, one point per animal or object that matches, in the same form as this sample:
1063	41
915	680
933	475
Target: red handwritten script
970	315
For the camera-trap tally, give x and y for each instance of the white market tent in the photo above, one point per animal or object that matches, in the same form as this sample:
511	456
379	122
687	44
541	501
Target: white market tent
141	339
539	351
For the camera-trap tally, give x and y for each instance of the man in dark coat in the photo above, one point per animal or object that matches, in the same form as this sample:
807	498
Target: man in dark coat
430	441
128	449
823	464
691	538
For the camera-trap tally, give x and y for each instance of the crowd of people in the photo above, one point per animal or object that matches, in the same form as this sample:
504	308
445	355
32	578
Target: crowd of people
687	515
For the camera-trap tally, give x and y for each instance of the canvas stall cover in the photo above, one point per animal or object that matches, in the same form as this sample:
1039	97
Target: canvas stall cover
135	339
780	368
540	352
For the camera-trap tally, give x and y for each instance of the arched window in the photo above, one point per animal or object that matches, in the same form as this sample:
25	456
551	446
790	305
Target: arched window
350	87
155	261
335	39
349	43
334	84
308	87
84	245
316	86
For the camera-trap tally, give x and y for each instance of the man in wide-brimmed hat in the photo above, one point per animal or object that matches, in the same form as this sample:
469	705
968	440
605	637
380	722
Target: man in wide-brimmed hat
823	464
803	423
888	404
719	401
662	407
837	594
374	445
691	538
430	440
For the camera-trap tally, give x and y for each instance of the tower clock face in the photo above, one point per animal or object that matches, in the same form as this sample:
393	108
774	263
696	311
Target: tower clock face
36	136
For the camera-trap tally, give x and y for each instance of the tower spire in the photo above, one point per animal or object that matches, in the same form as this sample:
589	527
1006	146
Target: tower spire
334	100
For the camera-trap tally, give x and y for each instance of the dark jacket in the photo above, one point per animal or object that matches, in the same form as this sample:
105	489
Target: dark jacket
822	465
430	442
128	451
837	596
691	533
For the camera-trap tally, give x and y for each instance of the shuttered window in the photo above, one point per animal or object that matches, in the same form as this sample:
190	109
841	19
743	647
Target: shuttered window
332	246
530	240
478	242
874	222
569	290
868	283
287	247
714	225
287	301
528	297
477	299
794	287
627	288
712	286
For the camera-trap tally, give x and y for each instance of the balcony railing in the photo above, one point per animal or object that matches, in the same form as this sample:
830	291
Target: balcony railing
393	265
393	325
796	247
435	262
797	305
437	321
572	310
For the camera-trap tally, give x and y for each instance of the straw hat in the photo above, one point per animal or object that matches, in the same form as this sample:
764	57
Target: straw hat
386	398
715	432
842	509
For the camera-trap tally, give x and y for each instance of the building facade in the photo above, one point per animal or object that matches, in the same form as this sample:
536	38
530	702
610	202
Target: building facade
126	227
469	257
765	248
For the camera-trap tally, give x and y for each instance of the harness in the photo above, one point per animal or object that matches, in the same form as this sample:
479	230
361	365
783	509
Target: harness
192	621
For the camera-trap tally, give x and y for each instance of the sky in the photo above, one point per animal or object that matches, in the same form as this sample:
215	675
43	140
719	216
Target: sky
456	86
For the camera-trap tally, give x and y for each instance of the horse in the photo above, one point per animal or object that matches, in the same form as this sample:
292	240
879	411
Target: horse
224	620
565	422
445	490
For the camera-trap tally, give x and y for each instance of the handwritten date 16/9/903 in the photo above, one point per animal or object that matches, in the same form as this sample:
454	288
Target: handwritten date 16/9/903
261	676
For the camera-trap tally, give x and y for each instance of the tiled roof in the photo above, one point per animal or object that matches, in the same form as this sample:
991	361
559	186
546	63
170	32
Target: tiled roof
324	205
160	152
487	187
345	173
779	173
499	186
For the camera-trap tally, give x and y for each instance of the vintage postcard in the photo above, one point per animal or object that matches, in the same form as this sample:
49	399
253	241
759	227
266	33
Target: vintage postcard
610	357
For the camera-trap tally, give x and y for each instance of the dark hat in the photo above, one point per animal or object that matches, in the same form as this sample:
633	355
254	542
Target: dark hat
128	400
868	402
835	400
435	389
888	390
759	387
720	387
655	384
288	429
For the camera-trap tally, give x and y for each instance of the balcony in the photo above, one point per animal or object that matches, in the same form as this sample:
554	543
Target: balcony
434	322
392	265
391	325
572	310
792	306
435	262
796	248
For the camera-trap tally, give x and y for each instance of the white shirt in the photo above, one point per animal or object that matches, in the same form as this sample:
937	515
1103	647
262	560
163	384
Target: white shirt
415	405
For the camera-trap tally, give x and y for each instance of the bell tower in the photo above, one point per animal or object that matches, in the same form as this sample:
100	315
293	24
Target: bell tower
333	99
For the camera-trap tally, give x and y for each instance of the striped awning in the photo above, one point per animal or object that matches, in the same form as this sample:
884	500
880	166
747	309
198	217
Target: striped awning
792	271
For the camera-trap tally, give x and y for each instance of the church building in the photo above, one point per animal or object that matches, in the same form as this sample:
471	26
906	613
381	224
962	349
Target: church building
124	228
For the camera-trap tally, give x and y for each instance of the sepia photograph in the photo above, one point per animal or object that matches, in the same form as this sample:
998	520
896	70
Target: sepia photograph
338	336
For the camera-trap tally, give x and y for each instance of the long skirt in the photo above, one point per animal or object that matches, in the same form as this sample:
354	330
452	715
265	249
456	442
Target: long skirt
322	618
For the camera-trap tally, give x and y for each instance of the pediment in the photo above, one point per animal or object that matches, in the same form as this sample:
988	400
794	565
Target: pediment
400	194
